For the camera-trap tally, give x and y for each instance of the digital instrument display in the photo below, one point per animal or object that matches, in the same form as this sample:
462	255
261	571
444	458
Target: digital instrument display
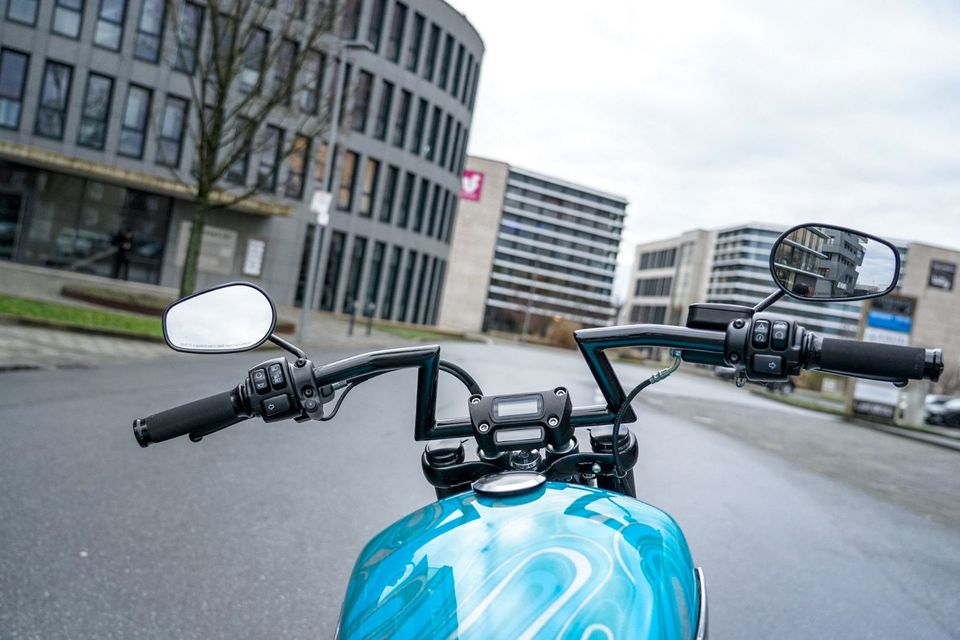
522	407
512	436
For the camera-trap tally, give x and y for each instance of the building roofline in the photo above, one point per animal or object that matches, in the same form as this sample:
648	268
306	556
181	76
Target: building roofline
554	179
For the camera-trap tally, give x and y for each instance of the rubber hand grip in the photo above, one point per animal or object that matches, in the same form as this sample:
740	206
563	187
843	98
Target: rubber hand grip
872	359
200	416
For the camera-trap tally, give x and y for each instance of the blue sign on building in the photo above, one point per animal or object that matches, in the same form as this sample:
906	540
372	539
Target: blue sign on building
889	321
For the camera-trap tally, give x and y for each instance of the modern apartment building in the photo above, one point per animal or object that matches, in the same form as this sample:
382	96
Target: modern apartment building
96	110
528	250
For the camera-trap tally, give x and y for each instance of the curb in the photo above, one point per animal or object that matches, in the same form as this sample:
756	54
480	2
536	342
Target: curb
73	328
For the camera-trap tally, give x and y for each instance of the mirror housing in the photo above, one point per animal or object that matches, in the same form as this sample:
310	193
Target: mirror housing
228	318
827	263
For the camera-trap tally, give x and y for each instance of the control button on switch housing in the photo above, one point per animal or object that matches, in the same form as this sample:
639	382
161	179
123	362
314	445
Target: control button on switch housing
761	334
260	381
768	365
275	405
779	335
276	376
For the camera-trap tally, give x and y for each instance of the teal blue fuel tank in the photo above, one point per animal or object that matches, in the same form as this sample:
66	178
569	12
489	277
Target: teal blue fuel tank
563	561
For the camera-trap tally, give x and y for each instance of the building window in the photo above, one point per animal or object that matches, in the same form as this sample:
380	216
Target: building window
254	57
444	215
647	315
188	37
454	152
434	204
466	79
445	62
451	217
331	275
455	89
243	130
270	159
653	287
347	177
24	11
418	127
383	112
393	270
96	112
434	131
109	30
448	125
419	212
417	302
283	68
67	17
150	31
416	39
361	102
375	28
299	157
351	19
170	141
389	192
400	128
54	97
313	67
373	282
431	58
395	39
353	278
135	117
407	285
321	168
406	199
13	76
371	174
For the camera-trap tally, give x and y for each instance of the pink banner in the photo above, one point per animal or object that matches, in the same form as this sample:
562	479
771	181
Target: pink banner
471	184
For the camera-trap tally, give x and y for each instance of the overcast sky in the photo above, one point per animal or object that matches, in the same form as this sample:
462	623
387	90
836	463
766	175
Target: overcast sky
713	113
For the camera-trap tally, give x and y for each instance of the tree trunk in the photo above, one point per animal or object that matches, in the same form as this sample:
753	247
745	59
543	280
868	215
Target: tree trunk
188	279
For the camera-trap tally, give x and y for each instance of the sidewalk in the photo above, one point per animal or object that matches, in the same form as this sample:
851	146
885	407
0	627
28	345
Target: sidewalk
24	346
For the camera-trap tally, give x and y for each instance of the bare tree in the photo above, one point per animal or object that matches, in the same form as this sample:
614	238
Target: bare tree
255	70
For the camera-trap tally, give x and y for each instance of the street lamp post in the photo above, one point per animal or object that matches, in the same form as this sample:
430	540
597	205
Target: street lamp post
313	266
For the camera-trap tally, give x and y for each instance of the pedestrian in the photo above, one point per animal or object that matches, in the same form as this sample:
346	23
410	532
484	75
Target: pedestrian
123	241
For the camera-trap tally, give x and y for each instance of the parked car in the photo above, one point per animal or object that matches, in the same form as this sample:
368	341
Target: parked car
943	410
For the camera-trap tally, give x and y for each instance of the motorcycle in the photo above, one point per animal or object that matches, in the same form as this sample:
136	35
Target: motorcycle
539	534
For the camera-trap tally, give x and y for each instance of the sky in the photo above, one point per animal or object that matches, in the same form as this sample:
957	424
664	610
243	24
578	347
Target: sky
709	114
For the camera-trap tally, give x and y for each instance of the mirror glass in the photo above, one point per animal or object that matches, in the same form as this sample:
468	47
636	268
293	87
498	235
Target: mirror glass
236	317
820	262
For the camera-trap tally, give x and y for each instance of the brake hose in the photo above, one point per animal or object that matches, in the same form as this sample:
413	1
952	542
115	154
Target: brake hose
615	433
445	365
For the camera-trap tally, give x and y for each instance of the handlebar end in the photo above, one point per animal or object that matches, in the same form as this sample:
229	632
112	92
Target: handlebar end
141	433
933	364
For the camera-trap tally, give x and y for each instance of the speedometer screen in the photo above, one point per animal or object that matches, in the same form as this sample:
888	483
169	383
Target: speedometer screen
522	407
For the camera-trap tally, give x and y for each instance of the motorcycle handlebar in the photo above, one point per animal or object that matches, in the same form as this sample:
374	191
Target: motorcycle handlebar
199	417
873	360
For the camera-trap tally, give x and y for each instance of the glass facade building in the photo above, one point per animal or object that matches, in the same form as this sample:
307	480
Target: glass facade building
96	114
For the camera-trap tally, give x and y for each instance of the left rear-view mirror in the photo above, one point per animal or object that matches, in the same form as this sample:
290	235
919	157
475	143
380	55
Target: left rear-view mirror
229	318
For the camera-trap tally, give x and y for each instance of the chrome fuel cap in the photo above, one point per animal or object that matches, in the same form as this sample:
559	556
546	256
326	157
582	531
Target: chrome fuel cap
509	483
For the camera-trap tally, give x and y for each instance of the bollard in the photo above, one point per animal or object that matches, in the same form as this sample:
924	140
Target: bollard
370	312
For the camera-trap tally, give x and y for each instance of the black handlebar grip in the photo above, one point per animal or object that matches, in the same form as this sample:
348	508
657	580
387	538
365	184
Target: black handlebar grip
200	416
875	360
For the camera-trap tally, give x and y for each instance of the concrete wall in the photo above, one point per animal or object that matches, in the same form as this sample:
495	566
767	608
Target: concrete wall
472	249
936	320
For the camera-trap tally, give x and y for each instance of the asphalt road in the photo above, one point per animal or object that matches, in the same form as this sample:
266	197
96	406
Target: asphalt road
806	527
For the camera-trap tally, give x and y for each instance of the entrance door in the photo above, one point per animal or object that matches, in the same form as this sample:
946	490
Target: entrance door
10	204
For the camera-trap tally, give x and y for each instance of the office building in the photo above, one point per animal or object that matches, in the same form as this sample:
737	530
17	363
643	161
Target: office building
530	250
95	113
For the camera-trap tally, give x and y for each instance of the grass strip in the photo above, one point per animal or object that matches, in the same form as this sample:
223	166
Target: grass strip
69	316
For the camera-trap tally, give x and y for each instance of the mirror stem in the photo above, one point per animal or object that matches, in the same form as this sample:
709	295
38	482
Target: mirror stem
763	304
283	344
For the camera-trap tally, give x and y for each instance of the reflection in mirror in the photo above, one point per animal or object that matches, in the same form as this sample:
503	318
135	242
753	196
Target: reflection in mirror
231	318
818	262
